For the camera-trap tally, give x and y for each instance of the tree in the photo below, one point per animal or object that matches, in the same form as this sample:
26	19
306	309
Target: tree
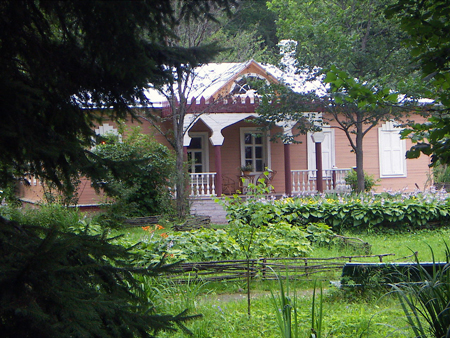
426	23
354	36
353	43
250	33
71	280
61	61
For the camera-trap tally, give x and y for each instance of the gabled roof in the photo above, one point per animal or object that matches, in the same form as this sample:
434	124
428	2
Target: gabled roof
208	79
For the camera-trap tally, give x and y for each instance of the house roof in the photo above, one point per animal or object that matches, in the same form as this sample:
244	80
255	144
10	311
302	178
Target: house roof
210	78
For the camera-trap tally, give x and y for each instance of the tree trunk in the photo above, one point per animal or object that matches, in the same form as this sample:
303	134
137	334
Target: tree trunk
180	181
359	155
179	113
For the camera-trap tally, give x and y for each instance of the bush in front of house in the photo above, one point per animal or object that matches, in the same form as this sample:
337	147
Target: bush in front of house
352	180
364	211
137	182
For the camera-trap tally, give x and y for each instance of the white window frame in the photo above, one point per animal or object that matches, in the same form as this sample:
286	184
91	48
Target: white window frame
205	148
390	129
266	147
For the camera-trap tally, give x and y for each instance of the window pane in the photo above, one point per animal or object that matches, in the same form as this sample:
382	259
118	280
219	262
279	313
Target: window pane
249	162
258	139
259	165
198	157
248	138
258	152
199	168
196	143
248	152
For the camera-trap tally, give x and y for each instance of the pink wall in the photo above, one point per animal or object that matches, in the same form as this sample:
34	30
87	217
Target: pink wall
417	169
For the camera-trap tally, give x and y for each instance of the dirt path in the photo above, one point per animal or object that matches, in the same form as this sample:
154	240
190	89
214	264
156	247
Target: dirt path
230	297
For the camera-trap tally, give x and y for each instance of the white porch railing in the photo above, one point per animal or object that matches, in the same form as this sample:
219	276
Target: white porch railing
202	184
305	180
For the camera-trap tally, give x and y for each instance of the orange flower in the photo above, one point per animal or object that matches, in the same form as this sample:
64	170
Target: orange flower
164	235
146	228
159	227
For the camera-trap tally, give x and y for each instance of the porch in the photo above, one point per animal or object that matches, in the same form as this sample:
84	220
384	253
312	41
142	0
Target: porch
204	185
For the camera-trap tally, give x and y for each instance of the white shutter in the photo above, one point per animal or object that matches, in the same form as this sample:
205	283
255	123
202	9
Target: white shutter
392	151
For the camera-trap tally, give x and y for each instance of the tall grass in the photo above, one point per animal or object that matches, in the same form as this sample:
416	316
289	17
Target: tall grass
285	306
426	304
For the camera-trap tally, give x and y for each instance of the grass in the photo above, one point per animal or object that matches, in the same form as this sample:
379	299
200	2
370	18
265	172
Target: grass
227	317
401	244
346	313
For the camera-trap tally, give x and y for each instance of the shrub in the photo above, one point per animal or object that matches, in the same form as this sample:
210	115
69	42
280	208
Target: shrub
352	180
350	212
141	169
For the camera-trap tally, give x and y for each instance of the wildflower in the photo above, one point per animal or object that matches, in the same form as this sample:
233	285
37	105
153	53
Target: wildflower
169	245
164	235
159	227
147	228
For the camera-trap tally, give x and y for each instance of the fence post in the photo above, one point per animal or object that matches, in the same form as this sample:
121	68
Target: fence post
263	269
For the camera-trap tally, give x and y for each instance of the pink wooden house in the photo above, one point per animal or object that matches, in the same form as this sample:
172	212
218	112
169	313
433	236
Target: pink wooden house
219	142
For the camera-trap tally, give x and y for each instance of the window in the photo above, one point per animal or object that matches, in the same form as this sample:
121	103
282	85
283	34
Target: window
392	151
197	153
244	84
254	149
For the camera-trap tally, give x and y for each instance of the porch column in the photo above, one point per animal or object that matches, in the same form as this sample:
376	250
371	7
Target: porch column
318	138
287	170
319	182
218	163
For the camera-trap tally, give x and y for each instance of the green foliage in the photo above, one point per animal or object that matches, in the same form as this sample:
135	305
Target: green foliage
351	212
65	278
428	31
441	173
430	138
142	169
54	214
250	33
277	240
353	36
352	180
